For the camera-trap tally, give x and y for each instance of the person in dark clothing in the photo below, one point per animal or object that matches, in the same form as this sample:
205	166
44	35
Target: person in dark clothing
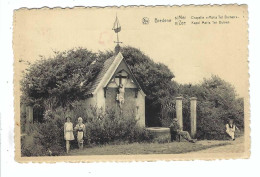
176	130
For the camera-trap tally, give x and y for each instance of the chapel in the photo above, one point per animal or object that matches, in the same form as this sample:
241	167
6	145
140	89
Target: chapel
115	87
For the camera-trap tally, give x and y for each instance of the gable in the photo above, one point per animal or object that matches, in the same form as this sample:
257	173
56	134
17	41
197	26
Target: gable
124	71
111	67
104	72
121	76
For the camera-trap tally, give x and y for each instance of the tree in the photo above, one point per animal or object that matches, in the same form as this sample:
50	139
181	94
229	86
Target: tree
217	102
154	78
64	78
60	80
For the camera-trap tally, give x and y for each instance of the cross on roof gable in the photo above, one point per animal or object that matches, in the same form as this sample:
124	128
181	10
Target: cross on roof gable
107	72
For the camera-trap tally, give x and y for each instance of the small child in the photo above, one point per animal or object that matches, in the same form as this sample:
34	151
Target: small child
80	128
68	133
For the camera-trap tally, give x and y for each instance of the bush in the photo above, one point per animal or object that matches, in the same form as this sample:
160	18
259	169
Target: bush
29	147
61	79
44	138
217	102
47	138
112	127
67	76
109	126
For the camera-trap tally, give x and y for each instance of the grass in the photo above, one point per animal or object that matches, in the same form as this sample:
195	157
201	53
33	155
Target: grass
147	148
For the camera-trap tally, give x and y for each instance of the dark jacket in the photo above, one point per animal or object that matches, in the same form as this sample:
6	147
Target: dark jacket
175	127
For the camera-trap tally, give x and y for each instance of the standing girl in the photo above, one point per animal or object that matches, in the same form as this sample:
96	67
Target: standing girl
81	130
68	133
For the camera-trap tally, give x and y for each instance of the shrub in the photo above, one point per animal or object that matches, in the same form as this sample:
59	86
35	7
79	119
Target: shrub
29	147
217	102
109	126
44	138
47	138
67	76
61	79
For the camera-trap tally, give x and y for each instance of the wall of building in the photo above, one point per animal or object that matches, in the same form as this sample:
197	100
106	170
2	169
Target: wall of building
91	101
140	105
110	101
128	107
133	106
97	100
100	99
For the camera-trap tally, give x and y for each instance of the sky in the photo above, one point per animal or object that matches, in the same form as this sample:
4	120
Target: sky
192	52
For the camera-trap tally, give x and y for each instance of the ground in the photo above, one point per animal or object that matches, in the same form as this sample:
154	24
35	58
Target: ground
232	147
205	146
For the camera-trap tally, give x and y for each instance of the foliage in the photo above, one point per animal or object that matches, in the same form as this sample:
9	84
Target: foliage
60	80
102	127
154	78
57	84
109	126
217	102
29	147
44	139
66	77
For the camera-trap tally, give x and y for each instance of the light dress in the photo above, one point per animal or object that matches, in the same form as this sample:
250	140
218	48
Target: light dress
230	129
68	131
80	128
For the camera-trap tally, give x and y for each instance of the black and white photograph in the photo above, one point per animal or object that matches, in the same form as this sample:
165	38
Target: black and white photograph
165	83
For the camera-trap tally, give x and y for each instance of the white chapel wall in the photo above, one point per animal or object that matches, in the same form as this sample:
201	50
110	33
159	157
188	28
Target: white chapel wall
140	103
100	99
